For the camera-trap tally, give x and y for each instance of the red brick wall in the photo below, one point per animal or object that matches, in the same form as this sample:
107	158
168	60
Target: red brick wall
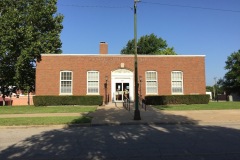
48	71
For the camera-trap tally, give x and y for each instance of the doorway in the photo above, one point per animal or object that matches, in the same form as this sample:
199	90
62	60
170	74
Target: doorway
122	91
121	79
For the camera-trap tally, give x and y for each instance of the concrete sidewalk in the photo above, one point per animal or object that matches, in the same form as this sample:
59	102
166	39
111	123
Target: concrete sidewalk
115	114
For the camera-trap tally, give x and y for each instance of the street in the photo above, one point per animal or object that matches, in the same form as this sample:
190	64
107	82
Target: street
127	142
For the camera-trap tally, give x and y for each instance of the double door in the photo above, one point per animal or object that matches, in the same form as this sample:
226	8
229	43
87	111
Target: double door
121	91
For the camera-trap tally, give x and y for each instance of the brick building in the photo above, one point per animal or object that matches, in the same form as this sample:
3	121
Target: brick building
105	74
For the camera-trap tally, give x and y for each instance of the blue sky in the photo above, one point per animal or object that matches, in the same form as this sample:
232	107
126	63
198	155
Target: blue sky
192	27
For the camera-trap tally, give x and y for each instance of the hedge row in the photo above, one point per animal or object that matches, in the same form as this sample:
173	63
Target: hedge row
67	100
177	99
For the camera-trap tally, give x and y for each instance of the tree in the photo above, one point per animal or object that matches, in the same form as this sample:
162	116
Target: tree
149	45
28	28
231	80
209	89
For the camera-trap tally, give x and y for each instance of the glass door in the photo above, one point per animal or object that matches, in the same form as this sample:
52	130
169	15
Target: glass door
121	91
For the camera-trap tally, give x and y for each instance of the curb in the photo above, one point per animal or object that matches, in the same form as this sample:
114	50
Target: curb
144	123
64	126
99	124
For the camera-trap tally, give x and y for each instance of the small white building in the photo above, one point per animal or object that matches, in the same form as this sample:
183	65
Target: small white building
210	94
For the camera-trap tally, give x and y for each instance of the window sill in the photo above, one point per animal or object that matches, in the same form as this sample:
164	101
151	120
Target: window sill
93	94
177	94
149	94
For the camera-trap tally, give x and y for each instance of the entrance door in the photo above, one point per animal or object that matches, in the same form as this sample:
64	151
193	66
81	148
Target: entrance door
122	91
121	79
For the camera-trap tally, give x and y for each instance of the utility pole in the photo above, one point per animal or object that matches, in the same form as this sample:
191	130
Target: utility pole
215	88
137	111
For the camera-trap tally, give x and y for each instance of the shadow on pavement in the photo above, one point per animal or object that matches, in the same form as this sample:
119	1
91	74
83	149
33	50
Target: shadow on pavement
118	115
160	142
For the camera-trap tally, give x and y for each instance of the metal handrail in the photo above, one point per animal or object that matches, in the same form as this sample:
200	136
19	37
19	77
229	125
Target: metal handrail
126	104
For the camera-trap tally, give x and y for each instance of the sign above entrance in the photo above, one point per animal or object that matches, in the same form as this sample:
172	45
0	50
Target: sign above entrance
122	71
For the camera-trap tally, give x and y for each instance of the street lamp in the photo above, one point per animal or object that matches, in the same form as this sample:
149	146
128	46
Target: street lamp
106	99
215	90
140	80
137	111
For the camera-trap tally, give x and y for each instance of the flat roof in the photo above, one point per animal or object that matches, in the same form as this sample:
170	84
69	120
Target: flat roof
121	55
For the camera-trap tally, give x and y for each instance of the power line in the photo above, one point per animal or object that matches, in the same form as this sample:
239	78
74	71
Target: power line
194	7
86	6
153	3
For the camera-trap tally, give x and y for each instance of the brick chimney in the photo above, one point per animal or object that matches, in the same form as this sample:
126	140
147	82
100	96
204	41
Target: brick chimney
103	48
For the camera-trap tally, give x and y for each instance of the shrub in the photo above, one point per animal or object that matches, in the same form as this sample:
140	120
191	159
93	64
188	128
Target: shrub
177	99
67	100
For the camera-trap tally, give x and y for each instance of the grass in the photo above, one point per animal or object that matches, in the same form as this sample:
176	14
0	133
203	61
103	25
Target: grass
52	109
210	106
44	120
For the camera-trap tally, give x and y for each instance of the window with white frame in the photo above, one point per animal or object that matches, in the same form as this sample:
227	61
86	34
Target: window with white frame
151	82
92	82
66	82
177	82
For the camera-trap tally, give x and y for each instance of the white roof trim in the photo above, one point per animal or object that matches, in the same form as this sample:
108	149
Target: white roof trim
119	55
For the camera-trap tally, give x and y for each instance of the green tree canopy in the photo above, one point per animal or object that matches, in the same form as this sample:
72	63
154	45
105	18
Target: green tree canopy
28	28
149	45
231	80
209	89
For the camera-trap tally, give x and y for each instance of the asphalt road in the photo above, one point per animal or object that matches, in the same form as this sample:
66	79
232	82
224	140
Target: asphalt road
122	142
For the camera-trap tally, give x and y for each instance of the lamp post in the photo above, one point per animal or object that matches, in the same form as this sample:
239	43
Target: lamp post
214	88
140	80
106	99
137	111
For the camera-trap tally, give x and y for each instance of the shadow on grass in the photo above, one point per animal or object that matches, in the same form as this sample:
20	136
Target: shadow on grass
82	120
162	107
160	142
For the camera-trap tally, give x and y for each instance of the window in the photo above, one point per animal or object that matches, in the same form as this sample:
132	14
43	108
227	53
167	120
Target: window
66	82
92	82
151	82
177	82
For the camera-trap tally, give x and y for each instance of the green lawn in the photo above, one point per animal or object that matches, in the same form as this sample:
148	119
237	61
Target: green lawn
210	106
44	120
52	109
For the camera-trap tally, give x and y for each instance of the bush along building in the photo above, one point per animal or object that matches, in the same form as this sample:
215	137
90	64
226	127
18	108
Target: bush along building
111	76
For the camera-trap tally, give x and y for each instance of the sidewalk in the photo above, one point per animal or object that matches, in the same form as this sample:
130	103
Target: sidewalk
115	114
